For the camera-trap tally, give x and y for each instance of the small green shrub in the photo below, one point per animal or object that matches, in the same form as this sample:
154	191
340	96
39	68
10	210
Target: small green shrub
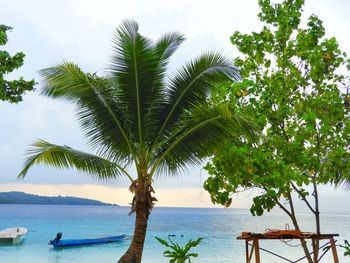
178	254
347	248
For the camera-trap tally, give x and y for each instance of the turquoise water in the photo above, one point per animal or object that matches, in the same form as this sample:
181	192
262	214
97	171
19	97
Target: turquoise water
219	227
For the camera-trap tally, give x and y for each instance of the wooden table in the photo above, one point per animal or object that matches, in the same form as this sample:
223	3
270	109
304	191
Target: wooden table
255	248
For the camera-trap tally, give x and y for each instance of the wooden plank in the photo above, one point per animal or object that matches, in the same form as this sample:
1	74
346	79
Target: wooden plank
334	250
251	253
247	251
257	251
315	250
252	236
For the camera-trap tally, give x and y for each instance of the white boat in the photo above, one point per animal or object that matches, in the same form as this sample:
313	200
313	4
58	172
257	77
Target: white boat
14	235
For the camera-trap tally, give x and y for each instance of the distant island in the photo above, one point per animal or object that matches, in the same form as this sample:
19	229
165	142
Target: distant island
24	198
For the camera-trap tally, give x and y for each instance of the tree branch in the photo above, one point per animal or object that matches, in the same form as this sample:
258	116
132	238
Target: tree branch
303	198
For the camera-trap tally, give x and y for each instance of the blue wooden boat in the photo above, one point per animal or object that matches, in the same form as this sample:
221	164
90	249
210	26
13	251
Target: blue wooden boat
57	242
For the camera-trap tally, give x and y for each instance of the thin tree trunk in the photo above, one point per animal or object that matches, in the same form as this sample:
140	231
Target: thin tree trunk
292	216
296	225
143	210
317	213
303	242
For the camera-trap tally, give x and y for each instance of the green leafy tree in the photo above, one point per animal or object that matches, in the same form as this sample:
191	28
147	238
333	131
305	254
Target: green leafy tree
11	91
294	86
178	254
138	116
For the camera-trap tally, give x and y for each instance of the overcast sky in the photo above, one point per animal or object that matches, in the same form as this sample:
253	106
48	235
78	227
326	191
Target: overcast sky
49	32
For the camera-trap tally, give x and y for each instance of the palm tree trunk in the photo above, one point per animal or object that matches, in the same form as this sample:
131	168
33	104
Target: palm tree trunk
143	209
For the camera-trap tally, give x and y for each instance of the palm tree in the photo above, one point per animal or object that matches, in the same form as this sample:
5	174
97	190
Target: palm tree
135	116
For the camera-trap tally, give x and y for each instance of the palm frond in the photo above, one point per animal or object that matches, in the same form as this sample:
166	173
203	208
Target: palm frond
64	157
164	48
336	165
192	85
138	68
344	183
136	113
193	82
342	171
97	107
198	133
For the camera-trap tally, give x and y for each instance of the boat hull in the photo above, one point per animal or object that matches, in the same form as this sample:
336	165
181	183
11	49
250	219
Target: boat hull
13	235
80	242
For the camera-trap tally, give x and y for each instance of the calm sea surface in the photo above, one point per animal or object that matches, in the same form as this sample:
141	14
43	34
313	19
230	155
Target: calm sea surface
219	227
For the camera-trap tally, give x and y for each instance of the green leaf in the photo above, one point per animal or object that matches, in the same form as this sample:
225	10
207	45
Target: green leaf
11	90
297	83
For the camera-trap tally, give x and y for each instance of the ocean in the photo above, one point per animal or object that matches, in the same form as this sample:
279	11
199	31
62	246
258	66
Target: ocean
219	227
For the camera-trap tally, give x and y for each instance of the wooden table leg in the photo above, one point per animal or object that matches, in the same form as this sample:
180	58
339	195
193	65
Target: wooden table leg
334	250
251	252
247	251
315	250
257	250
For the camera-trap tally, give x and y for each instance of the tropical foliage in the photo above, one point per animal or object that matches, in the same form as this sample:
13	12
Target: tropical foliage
346	246
178	254
11	91
294	85
137	116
